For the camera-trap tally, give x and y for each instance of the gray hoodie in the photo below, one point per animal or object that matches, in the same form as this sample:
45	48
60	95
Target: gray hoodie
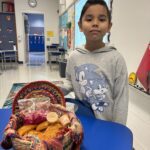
100	78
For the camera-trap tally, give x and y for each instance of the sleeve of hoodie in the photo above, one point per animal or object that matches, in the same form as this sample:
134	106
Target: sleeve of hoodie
67	87
121	93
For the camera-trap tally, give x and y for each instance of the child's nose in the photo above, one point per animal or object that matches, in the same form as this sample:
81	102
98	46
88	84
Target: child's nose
95	22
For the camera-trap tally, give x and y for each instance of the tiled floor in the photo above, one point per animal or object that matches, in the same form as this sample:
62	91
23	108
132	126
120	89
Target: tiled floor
139	105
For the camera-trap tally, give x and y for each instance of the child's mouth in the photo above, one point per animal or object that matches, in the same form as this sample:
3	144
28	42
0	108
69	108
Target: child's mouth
95	31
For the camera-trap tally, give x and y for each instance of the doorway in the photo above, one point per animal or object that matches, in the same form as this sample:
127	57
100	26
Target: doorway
34	38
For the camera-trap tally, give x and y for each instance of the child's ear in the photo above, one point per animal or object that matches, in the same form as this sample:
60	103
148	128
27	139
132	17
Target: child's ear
80	26
110	25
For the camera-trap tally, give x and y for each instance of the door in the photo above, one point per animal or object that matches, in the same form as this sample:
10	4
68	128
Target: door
35	40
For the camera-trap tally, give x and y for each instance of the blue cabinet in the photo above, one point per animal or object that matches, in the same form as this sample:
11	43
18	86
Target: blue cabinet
36	43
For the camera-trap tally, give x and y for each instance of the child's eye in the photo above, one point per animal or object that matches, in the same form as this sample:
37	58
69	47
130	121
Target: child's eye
102	18
88	19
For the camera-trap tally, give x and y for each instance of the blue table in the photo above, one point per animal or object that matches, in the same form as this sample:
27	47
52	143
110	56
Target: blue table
98	134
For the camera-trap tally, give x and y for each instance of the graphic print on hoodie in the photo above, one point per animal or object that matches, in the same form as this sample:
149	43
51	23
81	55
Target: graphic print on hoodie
92	85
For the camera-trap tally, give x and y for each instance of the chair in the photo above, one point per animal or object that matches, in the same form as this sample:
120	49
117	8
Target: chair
63	52
9	58
53	56
55	44
51	47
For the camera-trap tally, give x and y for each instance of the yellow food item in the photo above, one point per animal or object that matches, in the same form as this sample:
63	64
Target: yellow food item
42	126
36	133
25	129
52	131
64	120
132	78
52	117
47	129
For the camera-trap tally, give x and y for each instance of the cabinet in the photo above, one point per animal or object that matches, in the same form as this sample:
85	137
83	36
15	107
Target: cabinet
36	43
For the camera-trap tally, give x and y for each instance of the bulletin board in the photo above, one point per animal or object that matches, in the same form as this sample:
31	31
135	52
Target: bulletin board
66	29
71	31
63	29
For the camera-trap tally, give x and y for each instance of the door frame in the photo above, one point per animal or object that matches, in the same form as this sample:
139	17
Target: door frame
26	42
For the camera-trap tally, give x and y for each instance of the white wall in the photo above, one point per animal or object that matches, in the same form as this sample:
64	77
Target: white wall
64	4
131	34
139	118
69	2
48	8
131	29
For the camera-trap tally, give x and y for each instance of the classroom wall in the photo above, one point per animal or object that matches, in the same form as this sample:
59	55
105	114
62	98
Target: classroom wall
47	7
139	118
131	30
69	2
64	4
131	34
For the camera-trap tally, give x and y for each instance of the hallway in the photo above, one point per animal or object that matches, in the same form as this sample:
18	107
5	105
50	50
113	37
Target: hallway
36	58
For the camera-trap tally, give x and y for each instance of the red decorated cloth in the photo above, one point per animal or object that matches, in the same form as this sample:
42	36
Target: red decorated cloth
143	71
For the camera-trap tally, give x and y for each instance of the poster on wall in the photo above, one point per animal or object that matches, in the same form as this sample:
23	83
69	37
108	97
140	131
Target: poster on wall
66	23
79	36
63	19
70	28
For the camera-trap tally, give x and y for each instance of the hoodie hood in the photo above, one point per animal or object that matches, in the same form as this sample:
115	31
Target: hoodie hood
83	50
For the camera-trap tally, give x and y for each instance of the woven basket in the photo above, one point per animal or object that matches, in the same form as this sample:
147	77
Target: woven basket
41	89
71	137
69	140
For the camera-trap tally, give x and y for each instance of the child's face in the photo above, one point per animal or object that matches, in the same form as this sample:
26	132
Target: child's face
95	23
